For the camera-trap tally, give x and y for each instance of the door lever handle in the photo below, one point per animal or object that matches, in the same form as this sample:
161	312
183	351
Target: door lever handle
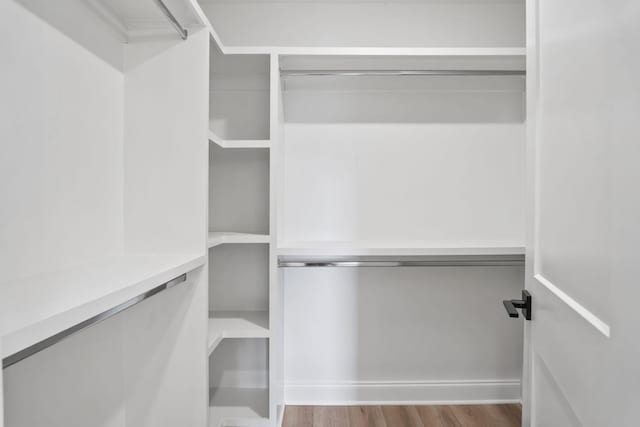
525	304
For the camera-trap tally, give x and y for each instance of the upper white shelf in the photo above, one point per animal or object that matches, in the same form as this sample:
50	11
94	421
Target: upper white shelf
431	59
236	324
239	143
398	248
37	307
135	19
220	238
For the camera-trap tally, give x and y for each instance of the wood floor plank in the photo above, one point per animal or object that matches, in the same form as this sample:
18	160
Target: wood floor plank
512	412
481	416
403	416
375	416
330	416
298	416
438	416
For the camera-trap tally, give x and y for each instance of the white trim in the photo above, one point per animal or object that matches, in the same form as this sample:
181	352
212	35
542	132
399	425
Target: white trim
594	320
403	392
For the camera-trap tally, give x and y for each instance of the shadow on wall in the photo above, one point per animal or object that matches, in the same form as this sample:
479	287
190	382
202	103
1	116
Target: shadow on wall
404	99
366	334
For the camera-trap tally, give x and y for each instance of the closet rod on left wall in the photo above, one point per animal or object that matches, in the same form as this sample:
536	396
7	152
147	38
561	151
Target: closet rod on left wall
176	24
54	339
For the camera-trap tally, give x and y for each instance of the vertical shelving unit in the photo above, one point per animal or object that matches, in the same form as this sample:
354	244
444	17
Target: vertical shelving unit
239	239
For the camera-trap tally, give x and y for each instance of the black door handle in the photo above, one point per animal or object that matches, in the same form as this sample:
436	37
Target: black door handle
525	304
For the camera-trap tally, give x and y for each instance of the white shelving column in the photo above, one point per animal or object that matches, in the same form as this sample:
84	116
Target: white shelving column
242	251
276	360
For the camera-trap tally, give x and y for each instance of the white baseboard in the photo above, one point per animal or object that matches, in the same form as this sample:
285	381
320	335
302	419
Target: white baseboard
403	392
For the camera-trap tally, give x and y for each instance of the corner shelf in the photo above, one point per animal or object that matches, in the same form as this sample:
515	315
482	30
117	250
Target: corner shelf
216	238
236	324
246	407
239	143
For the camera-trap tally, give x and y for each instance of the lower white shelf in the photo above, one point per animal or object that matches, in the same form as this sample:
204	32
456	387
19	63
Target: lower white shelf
216	238
236	324
246	407
399	248
35	308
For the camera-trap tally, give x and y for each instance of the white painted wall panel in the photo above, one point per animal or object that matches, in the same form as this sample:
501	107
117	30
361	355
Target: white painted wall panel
403	159
62	153
401	325
166	143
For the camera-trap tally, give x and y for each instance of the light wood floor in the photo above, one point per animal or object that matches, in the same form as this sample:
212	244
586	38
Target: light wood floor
403	416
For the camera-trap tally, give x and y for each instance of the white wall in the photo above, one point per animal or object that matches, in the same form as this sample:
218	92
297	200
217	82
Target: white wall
63	169
61	166
420	334
433	159
368	23
166	144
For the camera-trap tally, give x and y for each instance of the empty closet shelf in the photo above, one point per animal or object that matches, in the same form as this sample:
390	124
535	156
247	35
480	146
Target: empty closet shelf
239	143
38	307
399	248
236	324
247	407
218	238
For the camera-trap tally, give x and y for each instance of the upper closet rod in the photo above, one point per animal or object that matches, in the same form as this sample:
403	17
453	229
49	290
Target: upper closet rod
179	28
402	72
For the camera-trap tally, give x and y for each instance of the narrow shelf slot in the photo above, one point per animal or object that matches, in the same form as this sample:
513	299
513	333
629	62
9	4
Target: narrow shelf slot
247	407
236	324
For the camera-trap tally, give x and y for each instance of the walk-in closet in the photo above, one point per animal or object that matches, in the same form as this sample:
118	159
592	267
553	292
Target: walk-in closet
314	213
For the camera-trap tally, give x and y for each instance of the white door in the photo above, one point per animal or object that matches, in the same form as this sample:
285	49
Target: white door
582	352
1	398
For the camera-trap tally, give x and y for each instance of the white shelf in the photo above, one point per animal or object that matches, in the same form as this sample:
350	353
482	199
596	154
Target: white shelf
239	143
216	238
246	407
37	307
399	248
236	324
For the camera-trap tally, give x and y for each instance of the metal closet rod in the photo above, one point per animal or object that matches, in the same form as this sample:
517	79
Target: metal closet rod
287	73
176	24
445	262
54	339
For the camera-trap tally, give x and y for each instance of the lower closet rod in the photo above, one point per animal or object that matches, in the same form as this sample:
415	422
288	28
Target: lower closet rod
405	263
54	339
402	73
